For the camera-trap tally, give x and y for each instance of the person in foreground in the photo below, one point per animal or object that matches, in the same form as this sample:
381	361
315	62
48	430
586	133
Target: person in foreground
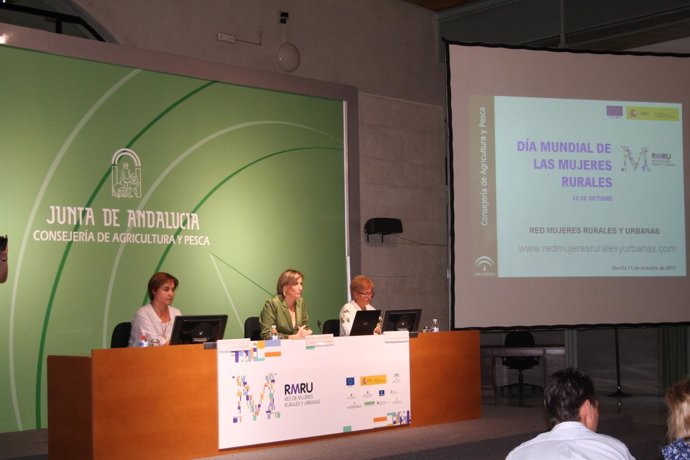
573	408
362	291
156	318
286	310
678	435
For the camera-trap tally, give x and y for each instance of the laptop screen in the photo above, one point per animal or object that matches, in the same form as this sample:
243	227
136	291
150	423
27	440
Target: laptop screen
365	322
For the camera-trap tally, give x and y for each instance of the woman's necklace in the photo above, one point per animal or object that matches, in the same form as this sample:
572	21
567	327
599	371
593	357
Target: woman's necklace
164	318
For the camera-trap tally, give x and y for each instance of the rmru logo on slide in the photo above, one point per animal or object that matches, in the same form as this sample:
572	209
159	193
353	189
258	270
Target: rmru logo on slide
484	265
641	162
125	174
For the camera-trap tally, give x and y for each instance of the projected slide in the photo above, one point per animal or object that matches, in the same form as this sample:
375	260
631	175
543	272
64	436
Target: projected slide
569	189
577	187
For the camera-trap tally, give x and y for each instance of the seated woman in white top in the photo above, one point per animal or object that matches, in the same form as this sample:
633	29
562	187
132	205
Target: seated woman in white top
155	319
362	291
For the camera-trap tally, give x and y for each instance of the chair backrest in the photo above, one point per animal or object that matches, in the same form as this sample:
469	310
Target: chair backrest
120	337
252	328
331	326
520	339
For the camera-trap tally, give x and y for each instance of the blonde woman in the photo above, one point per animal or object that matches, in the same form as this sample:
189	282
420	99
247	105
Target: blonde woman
678	435
286	310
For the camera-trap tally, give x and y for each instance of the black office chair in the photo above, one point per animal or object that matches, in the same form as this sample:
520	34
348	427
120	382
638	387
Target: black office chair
331	326
120	337
252	328
516	339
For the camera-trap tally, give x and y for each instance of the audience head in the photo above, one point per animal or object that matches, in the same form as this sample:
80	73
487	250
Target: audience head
288	278
158	280
569	397
362	290
678	402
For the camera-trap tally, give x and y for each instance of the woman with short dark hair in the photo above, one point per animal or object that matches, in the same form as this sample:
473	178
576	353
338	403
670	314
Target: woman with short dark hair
155	319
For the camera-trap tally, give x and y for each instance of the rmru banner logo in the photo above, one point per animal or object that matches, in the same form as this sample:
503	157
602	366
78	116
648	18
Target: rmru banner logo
265	403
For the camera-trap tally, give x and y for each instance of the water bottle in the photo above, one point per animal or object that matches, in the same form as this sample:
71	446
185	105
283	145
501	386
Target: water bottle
434	325
274	332
143	341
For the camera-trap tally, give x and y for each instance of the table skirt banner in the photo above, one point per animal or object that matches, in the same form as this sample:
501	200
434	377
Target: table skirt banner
276	390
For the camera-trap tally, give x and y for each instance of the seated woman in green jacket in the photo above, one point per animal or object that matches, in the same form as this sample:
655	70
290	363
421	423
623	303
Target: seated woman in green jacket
286	310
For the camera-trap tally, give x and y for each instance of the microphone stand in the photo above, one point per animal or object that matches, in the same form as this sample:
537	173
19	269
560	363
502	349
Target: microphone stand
619	393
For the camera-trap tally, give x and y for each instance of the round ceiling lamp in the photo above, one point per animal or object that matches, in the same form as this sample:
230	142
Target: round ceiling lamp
288	57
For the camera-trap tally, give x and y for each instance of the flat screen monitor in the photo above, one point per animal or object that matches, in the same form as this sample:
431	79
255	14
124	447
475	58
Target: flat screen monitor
402	320
189	329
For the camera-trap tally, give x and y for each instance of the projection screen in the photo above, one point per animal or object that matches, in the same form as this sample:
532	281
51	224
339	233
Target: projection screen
569	191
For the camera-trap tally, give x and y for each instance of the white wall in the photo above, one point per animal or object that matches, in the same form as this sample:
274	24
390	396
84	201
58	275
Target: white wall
384	47
403	175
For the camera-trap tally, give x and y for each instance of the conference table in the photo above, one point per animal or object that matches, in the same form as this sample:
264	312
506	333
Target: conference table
163	402
553	357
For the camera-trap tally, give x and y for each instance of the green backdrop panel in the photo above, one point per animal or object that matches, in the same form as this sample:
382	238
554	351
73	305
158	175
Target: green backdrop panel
111	173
